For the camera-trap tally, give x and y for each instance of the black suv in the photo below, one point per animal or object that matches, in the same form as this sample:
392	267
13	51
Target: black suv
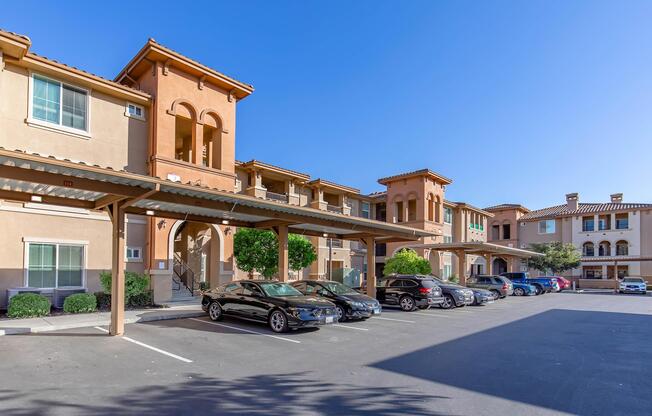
409	292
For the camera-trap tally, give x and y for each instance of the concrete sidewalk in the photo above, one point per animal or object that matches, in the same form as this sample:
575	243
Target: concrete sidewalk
55	323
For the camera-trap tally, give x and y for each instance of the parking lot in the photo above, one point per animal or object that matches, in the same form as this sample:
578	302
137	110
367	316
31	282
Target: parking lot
588	354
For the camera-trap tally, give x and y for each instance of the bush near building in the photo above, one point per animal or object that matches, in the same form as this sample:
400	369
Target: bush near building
28	305
80	303
136	287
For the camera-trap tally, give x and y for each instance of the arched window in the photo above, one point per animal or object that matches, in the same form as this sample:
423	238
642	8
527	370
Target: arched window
622	248
437	209
185	118
431	207
212	139
588	249
604	249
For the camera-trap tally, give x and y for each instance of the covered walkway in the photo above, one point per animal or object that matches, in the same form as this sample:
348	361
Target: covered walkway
47	180
487	250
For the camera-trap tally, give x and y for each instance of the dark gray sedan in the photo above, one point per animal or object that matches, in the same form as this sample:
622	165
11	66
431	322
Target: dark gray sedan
498	285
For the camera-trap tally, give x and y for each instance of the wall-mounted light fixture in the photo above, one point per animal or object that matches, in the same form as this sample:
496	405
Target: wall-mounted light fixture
149	212
36	198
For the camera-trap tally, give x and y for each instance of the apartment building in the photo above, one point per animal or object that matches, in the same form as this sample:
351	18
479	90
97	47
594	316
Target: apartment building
614	238
170	117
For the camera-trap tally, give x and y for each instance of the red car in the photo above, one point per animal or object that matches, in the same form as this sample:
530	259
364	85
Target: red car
562	281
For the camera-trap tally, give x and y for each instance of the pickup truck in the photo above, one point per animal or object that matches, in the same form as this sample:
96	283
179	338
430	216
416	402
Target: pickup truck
542	284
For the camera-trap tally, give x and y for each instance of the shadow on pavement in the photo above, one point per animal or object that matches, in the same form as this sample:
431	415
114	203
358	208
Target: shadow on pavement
287	394
581	362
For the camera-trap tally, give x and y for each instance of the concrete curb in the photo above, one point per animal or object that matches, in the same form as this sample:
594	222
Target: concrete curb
146	316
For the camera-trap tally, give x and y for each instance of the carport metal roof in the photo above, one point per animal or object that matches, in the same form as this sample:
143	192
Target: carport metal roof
34	178
479	248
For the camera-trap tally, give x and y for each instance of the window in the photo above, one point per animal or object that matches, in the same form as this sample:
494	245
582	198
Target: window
55	265
604	249
604	222
588	249
396	283
412	210
622	248
495	232
448	215
365	210
448	271
134	254
588	224
622	221
60	104
507	231
448	239
547	227
135	111
399	211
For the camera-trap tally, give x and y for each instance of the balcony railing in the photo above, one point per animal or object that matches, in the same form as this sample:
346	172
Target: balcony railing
272	196
333	208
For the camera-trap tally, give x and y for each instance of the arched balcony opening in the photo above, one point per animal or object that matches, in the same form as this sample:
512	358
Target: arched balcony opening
431	207
588	249
438	212
622	248
211	141
604	249
183	129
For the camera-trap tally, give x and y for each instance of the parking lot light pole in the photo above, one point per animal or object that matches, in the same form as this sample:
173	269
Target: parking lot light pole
371	267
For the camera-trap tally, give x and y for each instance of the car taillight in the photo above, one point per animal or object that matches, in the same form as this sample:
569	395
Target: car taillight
505	287
424	290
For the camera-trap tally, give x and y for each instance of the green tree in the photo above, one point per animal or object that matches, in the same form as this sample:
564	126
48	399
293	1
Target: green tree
557	257
257	250
301	252
407	261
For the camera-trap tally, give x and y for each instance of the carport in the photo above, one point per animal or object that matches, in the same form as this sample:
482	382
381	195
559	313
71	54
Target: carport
479	248
34	178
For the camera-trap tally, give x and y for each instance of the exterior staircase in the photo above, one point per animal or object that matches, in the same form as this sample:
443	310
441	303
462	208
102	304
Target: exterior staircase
185	287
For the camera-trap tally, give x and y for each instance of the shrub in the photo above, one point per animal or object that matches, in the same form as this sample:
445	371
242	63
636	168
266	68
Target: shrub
103	300
142	299
28	305
135	284
454	278
80	303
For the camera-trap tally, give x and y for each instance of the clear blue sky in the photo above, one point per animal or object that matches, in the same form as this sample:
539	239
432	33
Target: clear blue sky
519	101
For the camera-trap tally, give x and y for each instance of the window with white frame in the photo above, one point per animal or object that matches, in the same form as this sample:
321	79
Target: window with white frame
448	215
547	227
448	239
134	254
60	104
364	209
135	111
51	265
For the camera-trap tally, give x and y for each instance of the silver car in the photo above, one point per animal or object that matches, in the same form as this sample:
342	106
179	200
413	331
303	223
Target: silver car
632	285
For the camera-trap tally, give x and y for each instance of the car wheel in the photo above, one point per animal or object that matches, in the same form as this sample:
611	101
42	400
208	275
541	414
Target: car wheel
448	303
539	289
341	313
215	311
519	291
406	303
278	322
496	294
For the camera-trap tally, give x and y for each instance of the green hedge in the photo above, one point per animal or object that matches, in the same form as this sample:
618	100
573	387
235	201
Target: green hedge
28	305
135	284
80	303
142	299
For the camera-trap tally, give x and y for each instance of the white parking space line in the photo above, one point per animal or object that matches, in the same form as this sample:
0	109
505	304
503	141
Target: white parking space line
350	327
391	319
245	330
432	315
160	351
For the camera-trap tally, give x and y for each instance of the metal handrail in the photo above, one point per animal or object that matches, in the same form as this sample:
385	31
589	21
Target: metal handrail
185	274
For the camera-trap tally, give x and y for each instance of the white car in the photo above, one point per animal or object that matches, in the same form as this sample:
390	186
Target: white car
632	285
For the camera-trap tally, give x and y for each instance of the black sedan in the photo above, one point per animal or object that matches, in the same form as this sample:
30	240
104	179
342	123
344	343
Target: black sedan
278	304
349	304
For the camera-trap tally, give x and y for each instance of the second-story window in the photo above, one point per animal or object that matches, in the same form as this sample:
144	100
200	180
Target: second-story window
507	232
622	221
364	210
59	104
448	215
547	227
588	224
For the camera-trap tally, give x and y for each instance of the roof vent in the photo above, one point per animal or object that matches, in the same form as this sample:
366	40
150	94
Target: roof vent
572	201
616	198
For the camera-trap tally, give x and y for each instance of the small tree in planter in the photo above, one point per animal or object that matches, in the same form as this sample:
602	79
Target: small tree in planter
407	261
301	253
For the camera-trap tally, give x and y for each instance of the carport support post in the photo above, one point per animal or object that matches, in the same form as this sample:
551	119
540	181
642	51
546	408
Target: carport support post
371	266
487	260
461	262
283	261
117	270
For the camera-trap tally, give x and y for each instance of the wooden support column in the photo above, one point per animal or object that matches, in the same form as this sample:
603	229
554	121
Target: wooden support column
371	266
461	265
117	270
283	261
487	260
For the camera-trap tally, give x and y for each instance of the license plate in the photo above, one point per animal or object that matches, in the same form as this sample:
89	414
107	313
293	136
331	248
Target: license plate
329	319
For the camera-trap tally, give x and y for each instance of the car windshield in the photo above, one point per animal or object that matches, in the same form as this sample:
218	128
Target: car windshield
279	289
632	280
339	288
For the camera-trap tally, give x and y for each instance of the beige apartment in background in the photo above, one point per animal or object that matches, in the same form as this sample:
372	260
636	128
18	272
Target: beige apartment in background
168	116
613	237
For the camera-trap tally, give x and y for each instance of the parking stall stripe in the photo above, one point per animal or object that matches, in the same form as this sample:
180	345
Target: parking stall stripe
160	351
245	330
350	327
391	319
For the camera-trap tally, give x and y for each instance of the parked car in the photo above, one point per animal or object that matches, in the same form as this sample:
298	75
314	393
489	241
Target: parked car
632	285
542	284
563	283
349	304
482	297
409	292
454	294
524	289
498	285
278	304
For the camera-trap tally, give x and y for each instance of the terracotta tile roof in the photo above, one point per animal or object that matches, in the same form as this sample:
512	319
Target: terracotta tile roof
583	208
506	206
426	172
18	35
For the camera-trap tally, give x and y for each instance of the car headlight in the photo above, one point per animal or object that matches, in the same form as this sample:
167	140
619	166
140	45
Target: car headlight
356	304
296	312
